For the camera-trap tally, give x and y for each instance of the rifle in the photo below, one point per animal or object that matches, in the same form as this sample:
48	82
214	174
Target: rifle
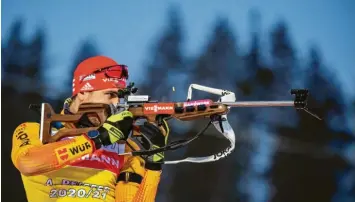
142	107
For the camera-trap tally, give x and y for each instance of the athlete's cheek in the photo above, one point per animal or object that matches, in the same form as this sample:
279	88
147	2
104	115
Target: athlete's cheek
105	99
114	101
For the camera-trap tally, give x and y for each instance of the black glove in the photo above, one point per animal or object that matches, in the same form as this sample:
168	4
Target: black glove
116	127
153	137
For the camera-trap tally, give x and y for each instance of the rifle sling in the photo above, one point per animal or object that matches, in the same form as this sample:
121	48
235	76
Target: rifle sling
172	146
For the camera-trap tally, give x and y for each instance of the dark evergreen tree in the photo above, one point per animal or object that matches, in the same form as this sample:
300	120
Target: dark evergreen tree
215	67
36	60
284	65
258	79
15	49
219	63
313	174
256	85
166	68
22	62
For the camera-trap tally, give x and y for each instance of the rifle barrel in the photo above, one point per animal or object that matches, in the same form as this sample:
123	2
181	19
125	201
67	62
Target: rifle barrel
259	104
246	104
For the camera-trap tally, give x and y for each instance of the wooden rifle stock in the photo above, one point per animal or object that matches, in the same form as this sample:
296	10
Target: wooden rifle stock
193	112
149	111
97	112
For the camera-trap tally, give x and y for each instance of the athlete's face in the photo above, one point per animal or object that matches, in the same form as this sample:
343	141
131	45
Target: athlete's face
106	96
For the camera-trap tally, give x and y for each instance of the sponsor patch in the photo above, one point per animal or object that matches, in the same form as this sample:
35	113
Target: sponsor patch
101	159
20	128
89	77
62	154
70	152
87	86
23	137
158	108
110	80
198	102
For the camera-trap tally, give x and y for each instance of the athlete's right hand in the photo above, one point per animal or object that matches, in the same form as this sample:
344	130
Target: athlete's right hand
116	127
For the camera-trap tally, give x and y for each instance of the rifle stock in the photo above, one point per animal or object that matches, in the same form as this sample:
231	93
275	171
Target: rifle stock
149	111
97	112
141	107
200	111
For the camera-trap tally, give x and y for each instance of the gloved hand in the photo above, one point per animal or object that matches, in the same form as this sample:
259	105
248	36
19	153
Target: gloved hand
116	127
153	137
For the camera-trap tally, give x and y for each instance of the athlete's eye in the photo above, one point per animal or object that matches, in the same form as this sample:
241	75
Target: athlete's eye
112	94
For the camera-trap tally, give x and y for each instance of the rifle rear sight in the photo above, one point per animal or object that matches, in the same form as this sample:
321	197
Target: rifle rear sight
129	90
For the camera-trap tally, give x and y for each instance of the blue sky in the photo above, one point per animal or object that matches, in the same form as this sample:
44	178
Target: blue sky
125	30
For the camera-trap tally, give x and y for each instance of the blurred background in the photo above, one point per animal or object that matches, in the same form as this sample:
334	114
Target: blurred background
258	49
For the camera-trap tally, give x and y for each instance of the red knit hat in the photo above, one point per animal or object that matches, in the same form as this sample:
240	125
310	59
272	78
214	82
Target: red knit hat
98	73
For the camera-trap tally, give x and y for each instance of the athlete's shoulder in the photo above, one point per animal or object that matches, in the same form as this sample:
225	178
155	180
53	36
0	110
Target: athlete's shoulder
27	125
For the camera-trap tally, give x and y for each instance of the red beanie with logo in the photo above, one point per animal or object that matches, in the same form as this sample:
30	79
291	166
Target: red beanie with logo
98	73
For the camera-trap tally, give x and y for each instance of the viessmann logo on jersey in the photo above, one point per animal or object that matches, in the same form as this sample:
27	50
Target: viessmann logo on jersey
100	159
159	108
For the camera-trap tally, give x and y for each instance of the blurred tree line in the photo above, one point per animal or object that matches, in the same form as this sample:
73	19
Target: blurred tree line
294	158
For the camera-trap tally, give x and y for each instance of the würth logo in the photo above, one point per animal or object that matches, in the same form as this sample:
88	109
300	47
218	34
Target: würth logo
159	108
80	148
62	153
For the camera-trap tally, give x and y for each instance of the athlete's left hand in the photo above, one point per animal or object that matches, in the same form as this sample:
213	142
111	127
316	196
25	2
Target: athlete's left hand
153	137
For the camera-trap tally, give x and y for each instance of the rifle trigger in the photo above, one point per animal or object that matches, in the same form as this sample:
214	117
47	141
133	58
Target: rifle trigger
160	119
